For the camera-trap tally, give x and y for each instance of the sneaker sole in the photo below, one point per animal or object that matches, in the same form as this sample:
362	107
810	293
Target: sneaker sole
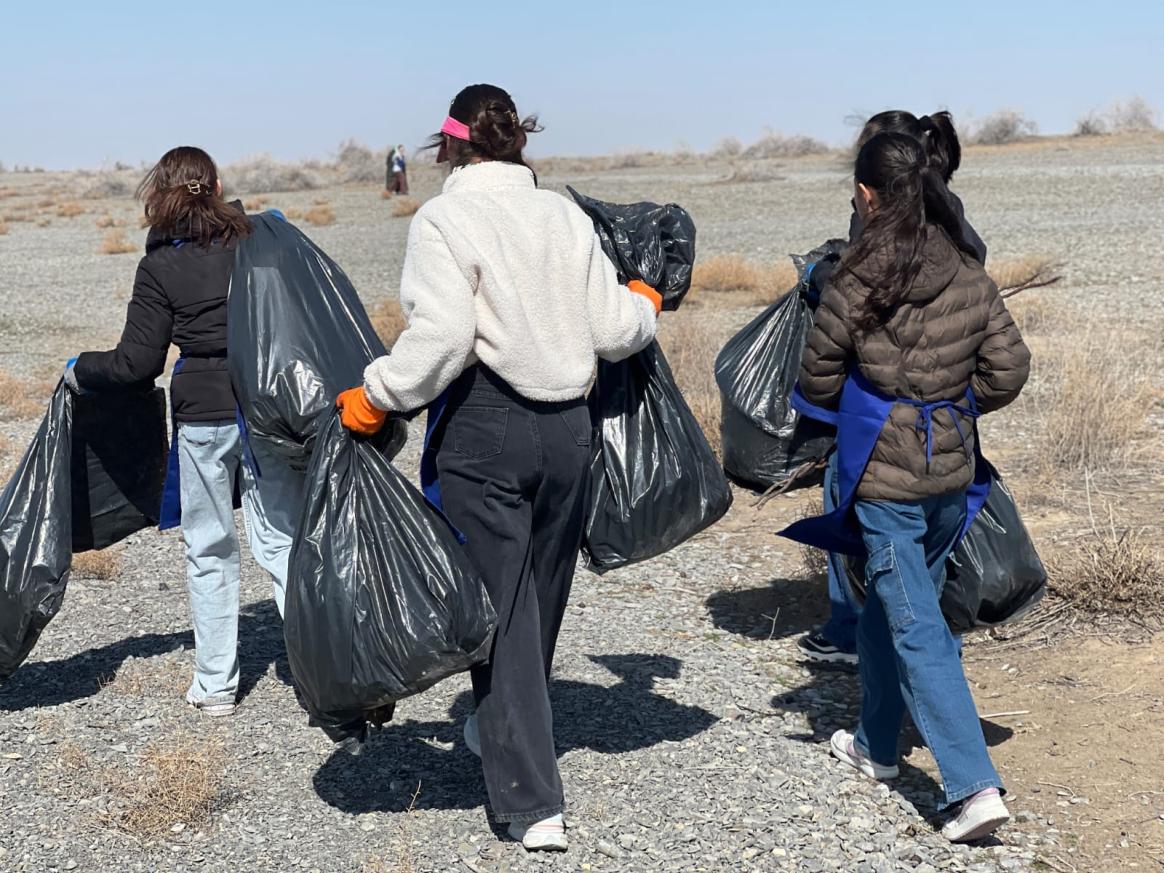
978	829
546	843
873	771
829	657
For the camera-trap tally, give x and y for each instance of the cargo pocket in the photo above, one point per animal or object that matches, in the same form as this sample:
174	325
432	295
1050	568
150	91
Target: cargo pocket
579	424
883	576
479	431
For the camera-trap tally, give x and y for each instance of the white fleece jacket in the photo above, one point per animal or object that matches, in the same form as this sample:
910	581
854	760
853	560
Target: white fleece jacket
501	272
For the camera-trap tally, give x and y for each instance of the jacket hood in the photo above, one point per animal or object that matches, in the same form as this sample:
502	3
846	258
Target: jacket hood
941	260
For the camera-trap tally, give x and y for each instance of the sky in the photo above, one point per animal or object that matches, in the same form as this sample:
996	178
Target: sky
85	84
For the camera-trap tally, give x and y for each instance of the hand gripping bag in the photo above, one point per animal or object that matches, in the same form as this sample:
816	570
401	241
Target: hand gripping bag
655	480
382	601
297	336
92	476
765	441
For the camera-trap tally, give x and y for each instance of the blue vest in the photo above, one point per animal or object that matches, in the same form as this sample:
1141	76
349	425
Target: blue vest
863	411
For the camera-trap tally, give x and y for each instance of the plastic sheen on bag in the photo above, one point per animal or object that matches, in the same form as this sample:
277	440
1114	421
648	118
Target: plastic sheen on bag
993	577
92	476
382	601
297	336
646	241
765	441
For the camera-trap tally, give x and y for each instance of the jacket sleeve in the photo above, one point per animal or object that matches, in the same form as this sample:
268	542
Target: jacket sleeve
824	367
621	322
1004	361
436	297
140	356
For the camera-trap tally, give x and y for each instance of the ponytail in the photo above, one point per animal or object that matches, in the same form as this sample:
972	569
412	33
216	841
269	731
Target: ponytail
943	151
496	132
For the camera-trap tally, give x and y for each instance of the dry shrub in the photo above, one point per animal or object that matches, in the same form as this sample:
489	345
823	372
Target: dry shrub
108	186
320	214
1041	313
1011	273
735	274
149	677
107	221
293	213
1003	127
15	217
21	399
254	204
1110	573
691	348
46	203
357	163
388	320
3	227
1132	116
70	210
748	173
814	563
1092	398
115	243
777	145
44	222
404	207
386	194
263	175
1091	124
103	565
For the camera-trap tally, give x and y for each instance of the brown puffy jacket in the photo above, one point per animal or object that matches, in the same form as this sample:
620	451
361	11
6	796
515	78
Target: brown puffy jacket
952	332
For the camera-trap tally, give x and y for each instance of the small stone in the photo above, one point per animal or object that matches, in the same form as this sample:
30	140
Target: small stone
605	848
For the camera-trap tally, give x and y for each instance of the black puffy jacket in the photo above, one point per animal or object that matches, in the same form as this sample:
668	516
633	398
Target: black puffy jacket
179	297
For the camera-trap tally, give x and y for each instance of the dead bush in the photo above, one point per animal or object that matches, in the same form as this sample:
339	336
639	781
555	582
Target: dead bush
388	320
1003	127
264	175
729	147
735	274
103	565
387	194
358	163
149	677
44	222
1110	573
1091	124
22	399
107	221
777	145
691	347
293	213
752	172
320	214
814	564
404	207
255	204
107	186
3	227
1132	116
1041	314
70	210
115	243
1026	271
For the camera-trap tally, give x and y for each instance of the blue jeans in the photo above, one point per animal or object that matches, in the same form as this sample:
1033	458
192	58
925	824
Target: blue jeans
908	657
841	628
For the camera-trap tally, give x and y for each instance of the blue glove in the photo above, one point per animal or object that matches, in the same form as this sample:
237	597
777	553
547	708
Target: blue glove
71	377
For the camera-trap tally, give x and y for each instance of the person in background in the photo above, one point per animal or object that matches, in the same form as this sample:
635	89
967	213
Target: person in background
180	298
912	333
399	172
509	301
836	640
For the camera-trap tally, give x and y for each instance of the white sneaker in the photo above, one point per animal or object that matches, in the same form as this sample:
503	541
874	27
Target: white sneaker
845	749
980	816
215	707
547	835
472	736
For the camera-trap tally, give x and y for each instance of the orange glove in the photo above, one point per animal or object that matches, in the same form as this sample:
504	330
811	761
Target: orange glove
358	414
638	286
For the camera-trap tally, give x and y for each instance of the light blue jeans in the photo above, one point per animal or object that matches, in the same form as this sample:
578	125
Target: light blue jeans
210	454
908	657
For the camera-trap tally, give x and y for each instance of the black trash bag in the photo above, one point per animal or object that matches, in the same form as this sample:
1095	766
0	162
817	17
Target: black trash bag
656	481
297	336
92	476
995	575
765	441
382	601
646	241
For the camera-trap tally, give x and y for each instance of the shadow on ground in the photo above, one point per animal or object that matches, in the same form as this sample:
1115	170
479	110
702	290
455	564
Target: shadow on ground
49	683
404	757
782	608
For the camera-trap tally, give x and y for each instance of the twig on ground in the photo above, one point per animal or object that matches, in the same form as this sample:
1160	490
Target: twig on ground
1015	712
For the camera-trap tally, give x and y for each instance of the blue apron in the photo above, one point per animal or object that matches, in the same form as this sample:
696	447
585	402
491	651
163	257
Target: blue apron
430	483
863	411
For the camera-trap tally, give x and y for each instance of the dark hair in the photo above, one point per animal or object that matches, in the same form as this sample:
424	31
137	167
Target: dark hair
180	197
935	132
496	133
911	195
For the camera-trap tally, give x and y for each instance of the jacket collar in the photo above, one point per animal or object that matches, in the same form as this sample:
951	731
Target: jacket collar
940	262
489	176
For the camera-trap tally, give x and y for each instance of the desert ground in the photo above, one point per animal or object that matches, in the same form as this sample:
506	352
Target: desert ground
691	737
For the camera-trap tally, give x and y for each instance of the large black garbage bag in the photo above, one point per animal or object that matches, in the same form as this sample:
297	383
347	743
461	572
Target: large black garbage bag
92	476
382	601
765	441
656	481
646	241
995	575
297	336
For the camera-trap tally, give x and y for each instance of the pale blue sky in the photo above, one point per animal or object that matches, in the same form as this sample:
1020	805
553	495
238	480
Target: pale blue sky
87	83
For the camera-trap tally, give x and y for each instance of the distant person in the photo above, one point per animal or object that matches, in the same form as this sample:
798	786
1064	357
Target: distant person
399	172
836	640
504	367
179	298
912	342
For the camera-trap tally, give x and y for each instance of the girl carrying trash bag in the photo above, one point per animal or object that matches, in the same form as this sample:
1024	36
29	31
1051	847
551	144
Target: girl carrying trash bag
912	343
179	297
510	301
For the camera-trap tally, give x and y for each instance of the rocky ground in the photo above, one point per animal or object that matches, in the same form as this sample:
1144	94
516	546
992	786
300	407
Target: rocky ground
691	738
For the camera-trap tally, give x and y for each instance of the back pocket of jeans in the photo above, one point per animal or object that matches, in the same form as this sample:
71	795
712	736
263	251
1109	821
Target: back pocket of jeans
479	431
578	423
883	576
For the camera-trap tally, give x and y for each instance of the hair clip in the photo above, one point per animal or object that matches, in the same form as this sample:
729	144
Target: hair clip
195	187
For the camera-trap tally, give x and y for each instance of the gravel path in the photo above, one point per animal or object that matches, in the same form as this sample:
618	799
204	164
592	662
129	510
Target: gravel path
691	739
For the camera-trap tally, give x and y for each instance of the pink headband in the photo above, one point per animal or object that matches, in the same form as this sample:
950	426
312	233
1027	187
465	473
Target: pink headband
455	129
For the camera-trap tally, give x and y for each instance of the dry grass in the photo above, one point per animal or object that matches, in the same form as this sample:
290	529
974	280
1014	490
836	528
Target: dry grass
385	194
102	565
22	399
293	213
1110	573
691	348
404	207
814	564
149	677
320	214
1019	273
1002	128
70	210
3	227
115	243
105	222
255	204
735	275
388	320
17	216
